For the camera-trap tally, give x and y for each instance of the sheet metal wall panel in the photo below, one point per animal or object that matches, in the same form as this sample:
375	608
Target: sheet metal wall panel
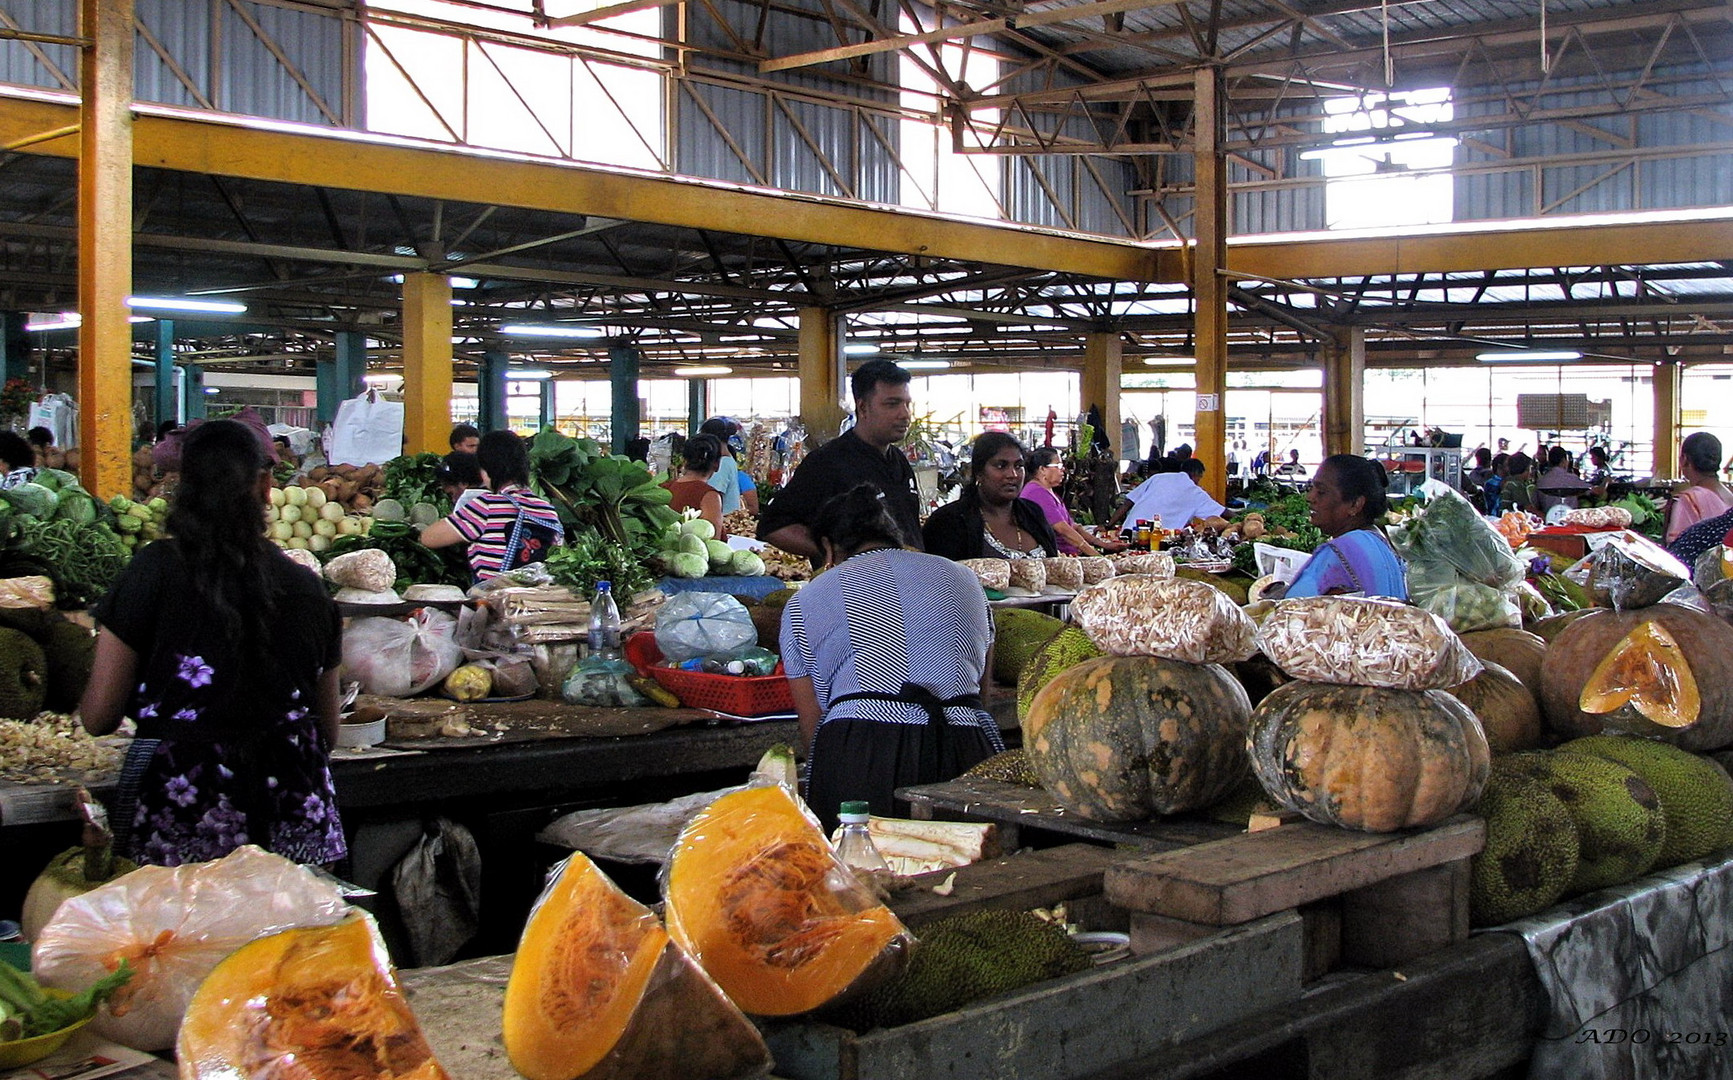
702	150
1081	197
253	81
18	64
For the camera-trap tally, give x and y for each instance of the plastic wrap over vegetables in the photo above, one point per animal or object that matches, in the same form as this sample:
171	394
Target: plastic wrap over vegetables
1361	642
173	925
1172	618
1450	531
1628	570
601	683
401	657
598	991
756	895
699	624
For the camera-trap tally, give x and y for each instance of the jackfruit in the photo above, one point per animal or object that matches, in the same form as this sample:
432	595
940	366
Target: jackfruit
1236	590
23	676
1017	633
69	651
1530	856
1009	766
1621	827
964	958
1696	793
1066	649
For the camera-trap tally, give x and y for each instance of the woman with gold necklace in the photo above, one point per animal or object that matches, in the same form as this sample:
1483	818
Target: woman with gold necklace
990	520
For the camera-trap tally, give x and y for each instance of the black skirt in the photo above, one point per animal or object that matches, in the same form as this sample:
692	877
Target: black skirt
870	759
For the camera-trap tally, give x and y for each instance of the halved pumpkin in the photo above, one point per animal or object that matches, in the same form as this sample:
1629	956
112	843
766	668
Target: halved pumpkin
598	990
755	894
318	1002
1646	672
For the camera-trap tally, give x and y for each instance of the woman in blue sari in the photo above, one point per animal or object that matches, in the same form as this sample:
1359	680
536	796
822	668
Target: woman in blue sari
1347	497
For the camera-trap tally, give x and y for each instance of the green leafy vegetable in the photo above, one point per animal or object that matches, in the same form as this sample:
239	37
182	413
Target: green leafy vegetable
585	558
416	563
23	999
414	478
593	489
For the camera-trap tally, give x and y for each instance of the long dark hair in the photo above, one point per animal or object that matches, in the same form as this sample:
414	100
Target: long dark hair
855	519
985	448
218	522
1360	478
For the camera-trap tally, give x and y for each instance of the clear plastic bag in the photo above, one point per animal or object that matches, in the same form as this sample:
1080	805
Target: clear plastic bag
602	683
173	925
703	624
401	657
1450	531
1363	642
1468	606
1628	570
1173	618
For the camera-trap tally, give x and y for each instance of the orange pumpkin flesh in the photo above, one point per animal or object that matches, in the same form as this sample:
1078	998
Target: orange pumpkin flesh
1648	673
598	991
756	896
311	1004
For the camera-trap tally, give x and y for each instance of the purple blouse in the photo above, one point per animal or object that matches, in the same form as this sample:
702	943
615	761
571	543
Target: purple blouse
1043	496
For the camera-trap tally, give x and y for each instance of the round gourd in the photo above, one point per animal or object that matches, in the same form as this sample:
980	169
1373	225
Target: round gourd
1366	757
1122	738
598	991
1519	651
315	1002
756	896
1507	711
1704	645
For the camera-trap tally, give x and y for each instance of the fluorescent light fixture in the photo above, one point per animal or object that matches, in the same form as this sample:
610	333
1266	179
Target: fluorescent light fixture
924	365
184	303
552	330
528	373
1161	361
456	282
381	380
861	348
702	371
71	320
213	390
1531	356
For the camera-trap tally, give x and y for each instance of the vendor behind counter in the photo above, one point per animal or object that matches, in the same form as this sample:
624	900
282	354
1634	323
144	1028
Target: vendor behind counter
991	519
1347	497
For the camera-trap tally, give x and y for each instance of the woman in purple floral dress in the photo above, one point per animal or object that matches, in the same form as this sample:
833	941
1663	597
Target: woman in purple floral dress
226	654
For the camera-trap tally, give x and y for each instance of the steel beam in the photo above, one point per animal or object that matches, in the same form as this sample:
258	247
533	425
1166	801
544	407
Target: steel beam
697	404
490	389
105	151
1345	391
623	382
342	377
14	346
1668	378
1103	371
821	373
1209	286
166	406
426	363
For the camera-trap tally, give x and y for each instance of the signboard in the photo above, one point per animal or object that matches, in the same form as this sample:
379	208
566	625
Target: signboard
1209	403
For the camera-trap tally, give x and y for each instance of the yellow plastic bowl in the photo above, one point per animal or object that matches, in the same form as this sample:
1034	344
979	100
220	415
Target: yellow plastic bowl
27	1051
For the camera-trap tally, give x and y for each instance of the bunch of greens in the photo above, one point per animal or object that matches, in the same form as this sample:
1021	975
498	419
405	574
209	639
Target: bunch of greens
1647	516
416	563
87	557
27	1011
414	478
594	490
1290	512
585	558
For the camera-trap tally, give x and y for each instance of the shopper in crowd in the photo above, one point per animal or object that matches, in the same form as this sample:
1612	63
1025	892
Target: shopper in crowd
638	449
1173	498
1475	479
227	655
1704	495
1347	497
1492	492
733	483
17	460
886	654
990	519
1557	485
868	451
1292	466
692	490
465	438
459	476
1517	491
42	441
1600	470
1694	541
506	526
1046	477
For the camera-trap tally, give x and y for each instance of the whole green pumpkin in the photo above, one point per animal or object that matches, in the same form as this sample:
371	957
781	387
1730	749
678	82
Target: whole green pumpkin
1123	738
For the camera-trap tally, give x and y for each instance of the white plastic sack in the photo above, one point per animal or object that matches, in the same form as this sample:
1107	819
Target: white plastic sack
368	430
174	925
401	657
703	624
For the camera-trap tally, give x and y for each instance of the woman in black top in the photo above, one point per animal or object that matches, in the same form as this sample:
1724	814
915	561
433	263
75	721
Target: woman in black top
990	520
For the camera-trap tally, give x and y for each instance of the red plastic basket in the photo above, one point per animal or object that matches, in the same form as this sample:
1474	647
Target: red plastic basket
737	695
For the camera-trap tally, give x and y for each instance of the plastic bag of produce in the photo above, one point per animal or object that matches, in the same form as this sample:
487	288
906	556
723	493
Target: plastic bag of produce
1173	618
370	570
703	624
401	657
174	925
1363	642
1152	563
994	573
599	682
1450	531
1468	606
1629	571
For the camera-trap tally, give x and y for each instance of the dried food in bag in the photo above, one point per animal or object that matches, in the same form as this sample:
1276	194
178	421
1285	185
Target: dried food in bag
1027	573
1064	572
994	573
1152	563
1173	618
1362	642
1095	568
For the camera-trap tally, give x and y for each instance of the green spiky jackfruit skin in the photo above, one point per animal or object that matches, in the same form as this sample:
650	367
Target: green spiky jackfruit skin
1621	827
1530	857
964	958
1008	766
1696	793
1066	649
23	676
69	651
1017	634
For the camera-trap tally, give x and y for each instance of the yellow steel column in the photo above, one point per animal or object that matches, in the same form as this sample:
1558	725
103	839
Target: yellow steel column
822	386
1345	392
1667	380
105	246
1208	285
1103	364
426	363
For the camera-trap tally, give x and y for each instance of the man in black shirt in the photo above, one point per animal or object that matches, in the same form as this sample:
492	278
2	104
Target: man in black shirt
883	409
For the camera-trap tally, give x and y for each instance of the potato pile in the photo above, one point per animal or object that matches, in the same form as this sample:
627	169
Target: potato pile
355	487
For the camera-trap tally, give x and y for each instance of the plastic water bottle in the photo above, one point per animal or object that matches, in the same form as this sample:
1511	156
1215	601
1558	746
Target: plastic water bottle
855	846
604	623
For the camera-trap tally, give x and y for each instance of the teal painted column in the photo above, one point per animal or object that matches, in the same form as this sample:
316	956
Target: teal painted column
193	385
697	404
547	388
14	346
165	371
490	389
342	378
623	379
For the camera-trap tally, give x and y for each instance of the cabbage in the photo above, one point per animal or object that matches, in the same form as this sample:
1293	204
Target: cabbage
55	480
720	554
692	545
32	499
424	514
388	510
746	564
76	505
700	528
687	565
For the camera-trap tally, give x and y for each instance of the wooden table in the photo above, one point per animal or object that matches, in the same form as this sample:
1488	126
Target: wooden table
1017	808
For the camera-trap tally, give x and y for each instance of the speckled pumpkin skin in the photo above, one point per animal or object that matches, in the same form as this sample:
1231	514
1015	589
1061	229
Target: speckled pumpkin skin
1124	738
1368	758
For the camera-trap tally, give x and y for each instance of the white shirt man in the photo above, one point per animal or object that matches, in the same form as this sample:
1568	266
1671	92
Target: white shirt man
1174	497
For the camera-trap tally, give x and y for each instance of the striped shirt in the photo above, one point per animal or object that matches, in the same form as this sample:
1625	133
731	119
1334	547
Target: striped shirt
486	522
906	617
